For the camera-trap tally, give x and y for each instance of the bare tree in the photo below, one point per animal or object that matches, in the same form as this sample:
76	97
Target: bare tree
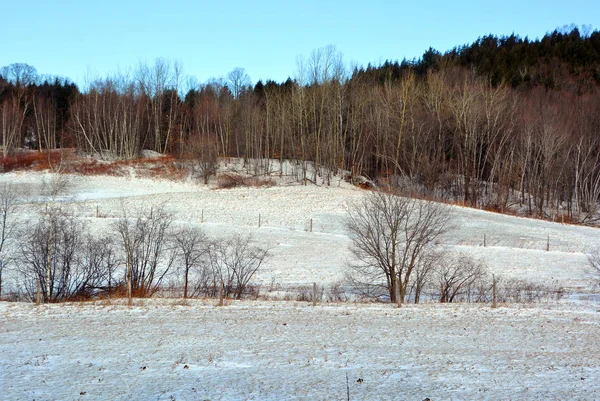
12	117
423	274
203	152
144	243
239	80
594	261
20	74
457	274
58	185
57	253
130	241
9	198
191	248
100	261
235	261
44	111
390	237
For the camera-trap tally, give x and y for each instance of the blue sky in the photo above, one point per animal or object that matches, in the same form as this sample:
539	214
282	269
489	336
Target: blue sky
83	38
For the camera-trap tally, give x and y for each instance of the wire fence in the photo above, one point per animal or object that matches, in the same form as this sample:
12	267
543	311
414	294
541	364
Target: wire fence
334	223
509	291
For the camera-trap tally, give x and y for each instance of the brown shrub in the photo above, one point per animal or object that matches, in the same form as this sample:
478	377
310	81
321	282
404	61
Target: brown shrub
93	167
228	180
259	182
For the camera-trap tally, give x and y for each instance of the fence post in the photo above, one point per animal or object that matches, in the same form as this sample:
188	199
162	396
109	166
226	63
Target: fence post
38	294
311	225
494	292
548	244
221	294
314	294
259	220
97	211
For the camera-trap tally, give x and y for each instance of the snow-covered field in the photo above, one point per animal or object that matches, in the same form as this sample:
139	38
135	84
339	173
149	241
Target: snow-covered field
284	350
159	350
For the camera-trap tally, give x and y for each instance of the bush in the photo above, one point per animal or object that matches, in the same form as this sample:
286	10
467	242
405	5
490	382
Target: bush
305	293
228	180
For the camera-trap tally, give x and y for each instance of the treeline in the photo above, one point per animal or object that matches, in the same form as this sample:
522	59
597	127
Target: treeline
563	59
503	123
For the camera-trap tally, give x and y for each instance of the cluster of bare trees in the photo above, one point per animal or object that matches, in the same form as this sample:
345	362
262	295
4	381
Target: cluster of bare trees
443	132
61	259
57	258
15	106
448	134
34	109
9	197
153	248
453	136
395	254
121	115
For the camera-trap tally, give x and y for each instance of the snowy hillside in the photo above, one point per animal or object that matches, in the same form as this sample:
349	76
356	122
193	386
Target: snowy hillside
516	247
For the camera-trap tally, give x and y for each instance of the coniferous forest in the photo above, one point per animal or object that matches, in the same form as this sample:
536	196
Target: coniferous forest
504	123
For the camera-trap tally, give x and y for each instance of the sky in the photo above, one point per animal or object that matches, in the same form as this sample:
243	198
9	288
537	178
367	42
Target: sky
83	40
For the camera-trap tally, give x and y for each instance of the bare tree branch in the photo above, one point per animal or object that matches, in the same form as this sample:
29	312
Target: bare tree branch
391	236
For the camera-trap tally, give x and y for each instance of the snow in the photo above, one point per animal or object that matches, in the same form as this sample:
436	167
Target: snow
516	247
288	350
164	350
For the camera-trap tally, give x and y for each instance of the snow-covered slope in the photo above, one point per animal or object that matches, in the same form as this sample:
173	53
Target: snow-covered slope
516	247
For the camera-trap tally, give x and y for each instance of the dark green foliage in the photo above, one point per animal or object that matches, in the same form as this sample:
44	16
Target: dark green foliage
561	59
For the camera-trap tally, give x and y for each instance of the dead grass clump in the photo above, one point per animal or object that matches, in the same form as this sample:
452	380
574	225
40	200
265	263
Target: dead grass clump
181	302
164	167
566	218
30	160
228	180
259	182
305	294
94	167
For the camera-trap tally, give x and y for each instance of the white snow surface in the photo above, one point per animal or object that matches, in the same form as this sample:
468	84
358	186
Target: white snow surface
291	351
252	350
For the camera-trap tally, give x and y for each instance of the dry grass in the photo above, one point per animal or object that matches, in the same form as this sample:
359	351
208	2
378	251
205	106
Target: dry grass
160	167
228	180
33	160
